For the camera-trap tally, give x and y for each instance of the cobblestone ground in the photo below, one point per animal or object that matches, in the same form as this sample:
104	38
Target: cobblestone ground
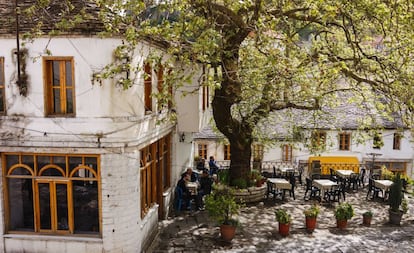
195	232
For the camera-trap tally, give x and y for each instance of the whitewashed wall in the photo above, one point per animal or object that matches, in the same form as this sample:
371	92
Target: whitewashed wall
109	121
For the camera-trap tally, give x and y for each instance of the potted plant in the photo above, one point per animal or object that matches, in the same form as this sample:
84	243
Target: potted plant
222	207
366	218
284	220
398	205
310	217
343	212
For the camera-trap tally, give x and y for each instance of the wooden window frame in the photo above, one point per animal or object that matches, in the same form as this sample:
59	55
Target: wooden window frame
2	87
227	152
258	151
287	151
63	88
148	87
396	144
68	175
205	97
170	92
155	173
160	86
345	141
318	139
202	150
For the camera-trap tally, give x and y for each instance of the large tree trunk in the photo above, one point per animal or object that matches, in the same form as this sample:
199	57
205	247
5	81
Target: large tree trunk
240	161
239	135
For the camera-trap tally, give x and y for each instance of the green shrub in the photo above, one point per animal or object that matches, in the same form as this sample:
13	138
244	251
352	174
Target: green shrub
312	211
240	183
223	177
222	206
396	194
344	211
367	214
282	216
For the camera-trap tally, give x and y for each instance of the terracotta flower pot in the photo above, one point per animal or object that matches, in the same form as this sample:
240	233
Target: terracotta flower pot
366	220
284	229
341	224
227	232
310	224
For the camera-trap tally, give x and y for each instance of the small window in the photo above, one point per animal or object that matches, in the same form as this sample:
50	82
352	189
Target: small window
206	97
377	141
2	95
287	153
59	86
147	87
205	91
344	141
258	150
318	140
227	152
202	151
397	141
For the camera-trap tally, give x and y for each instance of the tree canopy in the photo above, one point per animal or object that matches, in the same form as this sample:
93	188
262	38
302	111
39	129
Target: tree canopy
274	55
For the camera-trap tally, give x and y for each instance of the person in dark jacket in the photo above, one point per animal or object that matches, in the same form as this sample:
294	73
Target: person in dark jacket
206	182
201	164
213	166
186	194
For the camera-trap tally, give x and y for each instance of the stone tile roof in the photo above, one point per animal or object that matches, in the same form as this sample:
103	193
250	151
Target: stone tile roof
49	16
346	116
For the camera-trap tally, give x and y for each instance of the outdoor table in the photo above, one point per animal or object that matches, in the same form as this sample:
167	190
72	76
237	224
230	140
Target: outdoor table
344	173
285	170
280	185
192	187
384	185
323	185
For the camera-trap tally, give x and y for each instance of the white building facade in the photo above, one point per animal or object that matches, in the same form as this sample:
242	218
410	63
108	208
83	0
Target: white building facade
86	165
396	153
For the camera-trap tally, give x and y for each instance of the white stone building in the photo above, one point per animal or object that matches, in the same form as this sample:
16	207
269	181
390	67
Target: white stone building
396	153
86	166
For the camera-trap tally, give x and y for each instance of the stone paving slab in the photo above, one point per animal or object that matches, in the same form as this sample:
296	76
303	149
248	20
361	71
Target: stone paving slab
196	232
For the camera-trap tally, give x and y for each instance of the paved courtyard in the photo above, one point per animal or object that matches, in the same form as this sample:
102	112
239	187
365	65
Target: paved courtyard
195	232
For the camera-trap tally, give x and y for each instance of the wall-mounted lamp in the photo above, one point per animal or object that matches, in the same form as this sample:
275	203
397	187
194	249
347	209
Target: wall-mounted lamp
182	137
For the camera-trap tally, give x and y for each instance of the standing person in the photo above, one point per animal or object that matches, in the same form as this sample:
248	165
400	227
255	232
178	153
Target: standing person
213	166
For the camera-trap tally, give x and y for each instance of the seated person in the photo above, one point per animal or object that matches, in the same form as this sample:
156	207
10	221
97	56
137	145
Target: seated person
186	193
201	164
192	174
206	183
